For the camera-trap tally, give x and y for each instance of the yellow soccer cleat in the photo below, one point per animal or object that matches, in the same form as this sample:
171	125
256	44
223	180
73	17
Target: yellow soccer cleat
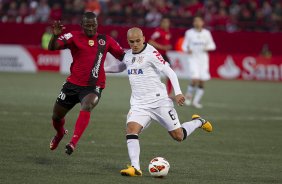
206	125
131	171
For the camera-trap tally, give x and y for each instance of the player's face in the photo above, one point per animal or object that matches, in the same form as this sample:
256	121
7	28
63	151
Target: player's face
136	42
89	26
198	23
165	23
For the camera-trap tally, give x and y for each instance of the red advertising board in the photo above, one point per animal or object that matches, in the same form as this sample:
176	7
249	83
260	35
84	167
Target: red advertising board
246	67
45	60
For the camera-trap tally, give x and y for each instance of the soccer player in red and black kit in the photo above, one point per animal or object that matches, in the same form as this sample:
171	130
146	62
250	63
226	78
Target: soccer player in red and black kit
160	39
87	78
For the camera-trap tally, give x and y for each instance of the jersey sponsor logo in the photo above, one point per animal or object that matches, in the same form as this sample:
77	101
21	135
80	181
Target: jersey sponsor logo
91	43
134	71
159	56
95	70
101	42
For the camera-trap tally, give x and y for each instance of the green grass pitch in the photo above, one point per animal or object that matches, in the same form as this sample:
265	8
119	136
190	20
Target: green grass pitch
245	146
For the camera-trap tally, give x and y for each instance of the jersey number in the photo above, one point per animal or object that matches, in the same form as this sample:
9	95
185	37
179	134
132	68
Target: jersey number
62	96
171	114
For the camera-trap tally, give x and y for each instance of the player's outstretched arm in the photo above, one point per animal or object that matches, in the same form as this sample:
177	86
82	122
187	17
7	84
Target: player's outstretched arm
57	29
179	97
159	46
120	67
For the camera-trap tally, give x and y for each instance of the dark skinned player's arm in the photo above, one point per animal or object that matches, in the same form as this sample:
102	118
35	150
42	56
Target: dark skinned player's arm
53	45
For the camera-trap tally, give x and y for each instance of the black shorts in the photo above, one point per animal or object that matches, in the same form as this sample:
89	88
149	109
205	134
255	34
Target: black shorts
72	94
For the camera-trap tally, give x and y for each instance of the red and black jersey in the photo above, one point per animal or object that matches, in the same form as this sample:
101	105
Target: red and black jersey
87	68
162	37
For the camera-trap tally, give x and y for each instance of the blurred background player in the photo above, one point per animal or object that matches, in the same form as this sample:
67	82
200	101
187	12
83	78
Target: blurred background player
46	37
161	40
149	99
87	78
197	42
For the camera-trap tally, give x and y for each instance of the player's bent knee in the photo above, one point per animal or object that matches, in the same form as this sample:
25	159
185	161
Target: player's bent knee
178	137
133	128
179	134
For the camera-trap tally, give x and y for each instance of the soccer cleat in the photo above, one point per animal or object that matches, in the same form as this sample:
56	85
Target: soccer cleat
131	171
56	140
69	148
206	125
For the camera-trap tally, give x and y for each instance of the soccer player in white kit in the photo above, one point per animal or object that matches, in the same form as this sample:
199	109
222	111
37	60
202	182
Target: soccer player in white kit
197	42
149	98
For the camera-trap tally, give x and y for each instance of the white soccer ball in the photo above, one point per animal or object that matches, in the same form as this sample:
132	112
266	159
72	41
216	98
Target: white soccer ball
159	167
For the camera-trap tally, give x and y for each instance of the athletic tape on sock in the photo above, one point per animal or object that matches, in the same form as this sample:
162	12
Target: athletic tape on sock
132	136
184	133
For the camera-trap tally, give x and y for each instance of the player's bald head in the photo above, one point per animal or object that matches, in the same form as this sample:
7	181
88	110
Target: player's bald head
134	32
135	39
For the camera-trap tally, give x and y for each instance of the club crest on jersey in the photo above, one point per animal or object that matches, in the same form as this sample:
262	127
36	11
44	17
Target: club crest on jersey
140	59
91	43
102	42
134	71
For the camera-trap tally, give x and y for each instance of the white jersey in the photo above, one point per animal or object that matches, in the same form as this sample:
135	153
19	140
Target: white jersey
143	70
199	42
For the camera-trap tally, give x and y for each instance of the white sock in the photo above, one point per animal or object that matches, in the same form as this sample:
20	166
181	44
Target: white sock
198	95
191	126
133	147
190	91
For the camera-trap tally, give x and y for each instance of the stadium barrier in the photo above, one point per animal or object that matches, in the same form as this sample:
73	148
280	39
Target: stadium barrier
235	42
16	58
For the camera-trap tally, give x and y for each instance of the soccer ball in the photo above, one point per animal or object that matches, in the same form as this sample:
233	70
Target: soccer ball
159	167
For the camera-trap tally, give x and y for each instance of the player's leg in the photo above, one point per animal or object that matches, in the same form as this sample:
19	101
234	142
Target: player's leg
58	121
204	75
137	120
88	103
198	95
132	138
189	127
167	116
194	75
65	102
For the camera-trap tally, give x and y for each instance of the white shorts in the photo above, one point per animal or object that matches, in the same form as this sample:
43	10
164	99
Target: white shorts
166	115
199	69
